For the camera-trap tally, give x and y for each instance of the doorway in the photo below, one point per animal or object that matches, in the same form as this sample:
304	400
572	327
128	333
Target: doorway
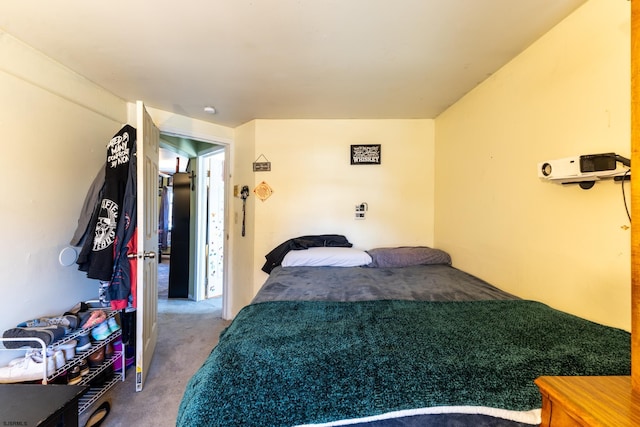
215	231
204	165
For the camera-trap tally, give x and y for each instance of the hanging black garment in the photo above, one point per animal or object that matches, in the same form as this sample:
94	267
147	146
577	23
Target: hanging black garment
97	254
91	200
121	285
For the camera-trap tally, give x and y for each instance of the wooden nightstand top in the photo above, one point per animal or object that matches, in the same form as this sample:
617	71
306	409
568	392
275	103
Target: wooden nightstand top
592	401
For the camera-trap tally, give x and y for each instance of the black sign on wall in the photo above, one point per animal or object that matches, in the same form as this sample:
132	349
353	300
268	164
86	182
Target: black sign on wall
367	154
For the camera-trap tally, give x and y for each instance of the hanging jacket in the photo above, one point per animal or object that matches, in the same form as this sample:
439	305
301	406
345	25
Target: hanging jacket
124	276
97	255
88	207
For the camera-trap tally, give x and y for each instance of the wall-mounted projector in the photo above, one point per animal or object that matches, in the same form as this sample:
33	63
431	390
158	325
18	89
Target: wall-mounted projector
584	170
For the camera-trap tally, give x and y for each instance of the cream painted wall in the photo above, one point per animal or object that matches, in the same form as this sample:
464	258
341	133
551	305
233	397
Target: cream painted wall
55	126
316	188
567	95
242	252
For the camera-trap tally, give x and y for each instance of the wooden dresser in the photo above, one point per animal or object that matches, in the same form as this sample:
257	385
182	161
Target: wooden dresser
588	401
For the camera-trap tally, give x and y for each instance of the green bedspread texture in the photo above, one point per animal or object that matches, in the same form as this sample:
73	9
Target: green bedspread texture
287	363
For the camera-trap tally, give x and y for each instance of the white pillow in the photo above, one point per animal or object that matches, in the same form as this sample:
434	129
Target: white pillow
325	256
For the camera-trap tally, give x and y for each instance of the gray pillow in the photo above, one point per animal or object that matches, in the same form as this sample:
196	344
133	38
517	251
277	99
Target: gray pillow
405	256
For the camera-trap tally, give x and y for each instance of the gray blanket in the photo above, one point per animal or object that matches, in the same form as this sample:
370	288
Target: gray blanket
415	283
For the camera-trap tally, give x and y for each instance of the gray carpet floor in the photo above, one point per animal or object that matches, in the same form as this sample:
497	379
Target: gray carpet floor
188	331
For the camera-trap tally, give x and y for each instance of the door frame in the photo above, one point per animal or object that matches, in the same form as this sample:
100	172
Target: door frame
200	270
198	263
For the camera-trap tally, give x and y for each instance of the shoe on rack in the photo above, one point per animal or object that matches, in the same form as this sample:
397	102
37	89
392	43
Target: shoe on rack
78	308
60	359
101	331
55	356
118	361
84	316
113	324
69	349
74	376
84	342
84	367
97	357
36	356
108	351
24	369
129	356
55	359
68	321
96	317
61	378
48	334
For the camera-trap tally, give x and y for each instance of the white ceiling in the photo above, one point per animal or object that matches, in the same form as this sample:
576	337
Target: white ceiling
291	59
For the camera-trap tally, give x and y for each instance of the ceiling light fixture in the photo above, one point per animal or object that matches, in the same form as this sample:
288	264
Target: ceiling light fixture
209	109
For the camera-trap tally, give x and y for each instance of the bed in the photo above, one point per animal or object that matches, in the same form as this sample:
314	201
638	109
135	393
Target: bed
391	343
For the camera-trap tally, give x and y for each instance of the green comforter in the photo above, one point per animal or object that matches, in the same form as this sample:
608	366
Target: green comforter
287	363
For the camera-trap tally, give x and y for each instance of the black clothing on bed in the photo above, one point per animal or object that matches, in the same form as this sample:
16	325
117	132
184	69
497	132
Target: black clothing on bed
275	257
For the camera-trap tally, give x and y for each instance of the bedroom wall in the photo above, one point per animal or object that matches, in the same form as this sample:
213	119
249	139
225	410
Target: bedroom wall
316	188
242	246
567	95
55	126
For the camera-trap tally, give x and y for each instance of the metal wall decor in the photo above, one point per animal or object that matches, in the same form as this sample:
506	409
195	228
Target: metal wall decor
244	194
366	154
263	191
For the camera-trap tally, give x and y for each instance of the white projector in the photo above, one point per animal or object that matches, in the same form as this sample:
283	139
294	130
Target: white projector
565	169
587	168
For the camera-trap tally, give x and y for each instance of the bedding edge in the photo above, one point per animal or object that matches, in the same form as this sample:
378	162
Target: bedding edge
532	416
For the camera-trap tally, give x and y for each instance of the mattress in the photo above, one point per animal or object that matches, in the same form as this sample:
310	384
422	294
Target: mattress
418	345
436	282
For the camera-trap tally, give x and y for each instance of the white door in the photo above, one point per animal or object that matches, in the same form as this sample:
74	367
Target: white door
215	224
147	241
